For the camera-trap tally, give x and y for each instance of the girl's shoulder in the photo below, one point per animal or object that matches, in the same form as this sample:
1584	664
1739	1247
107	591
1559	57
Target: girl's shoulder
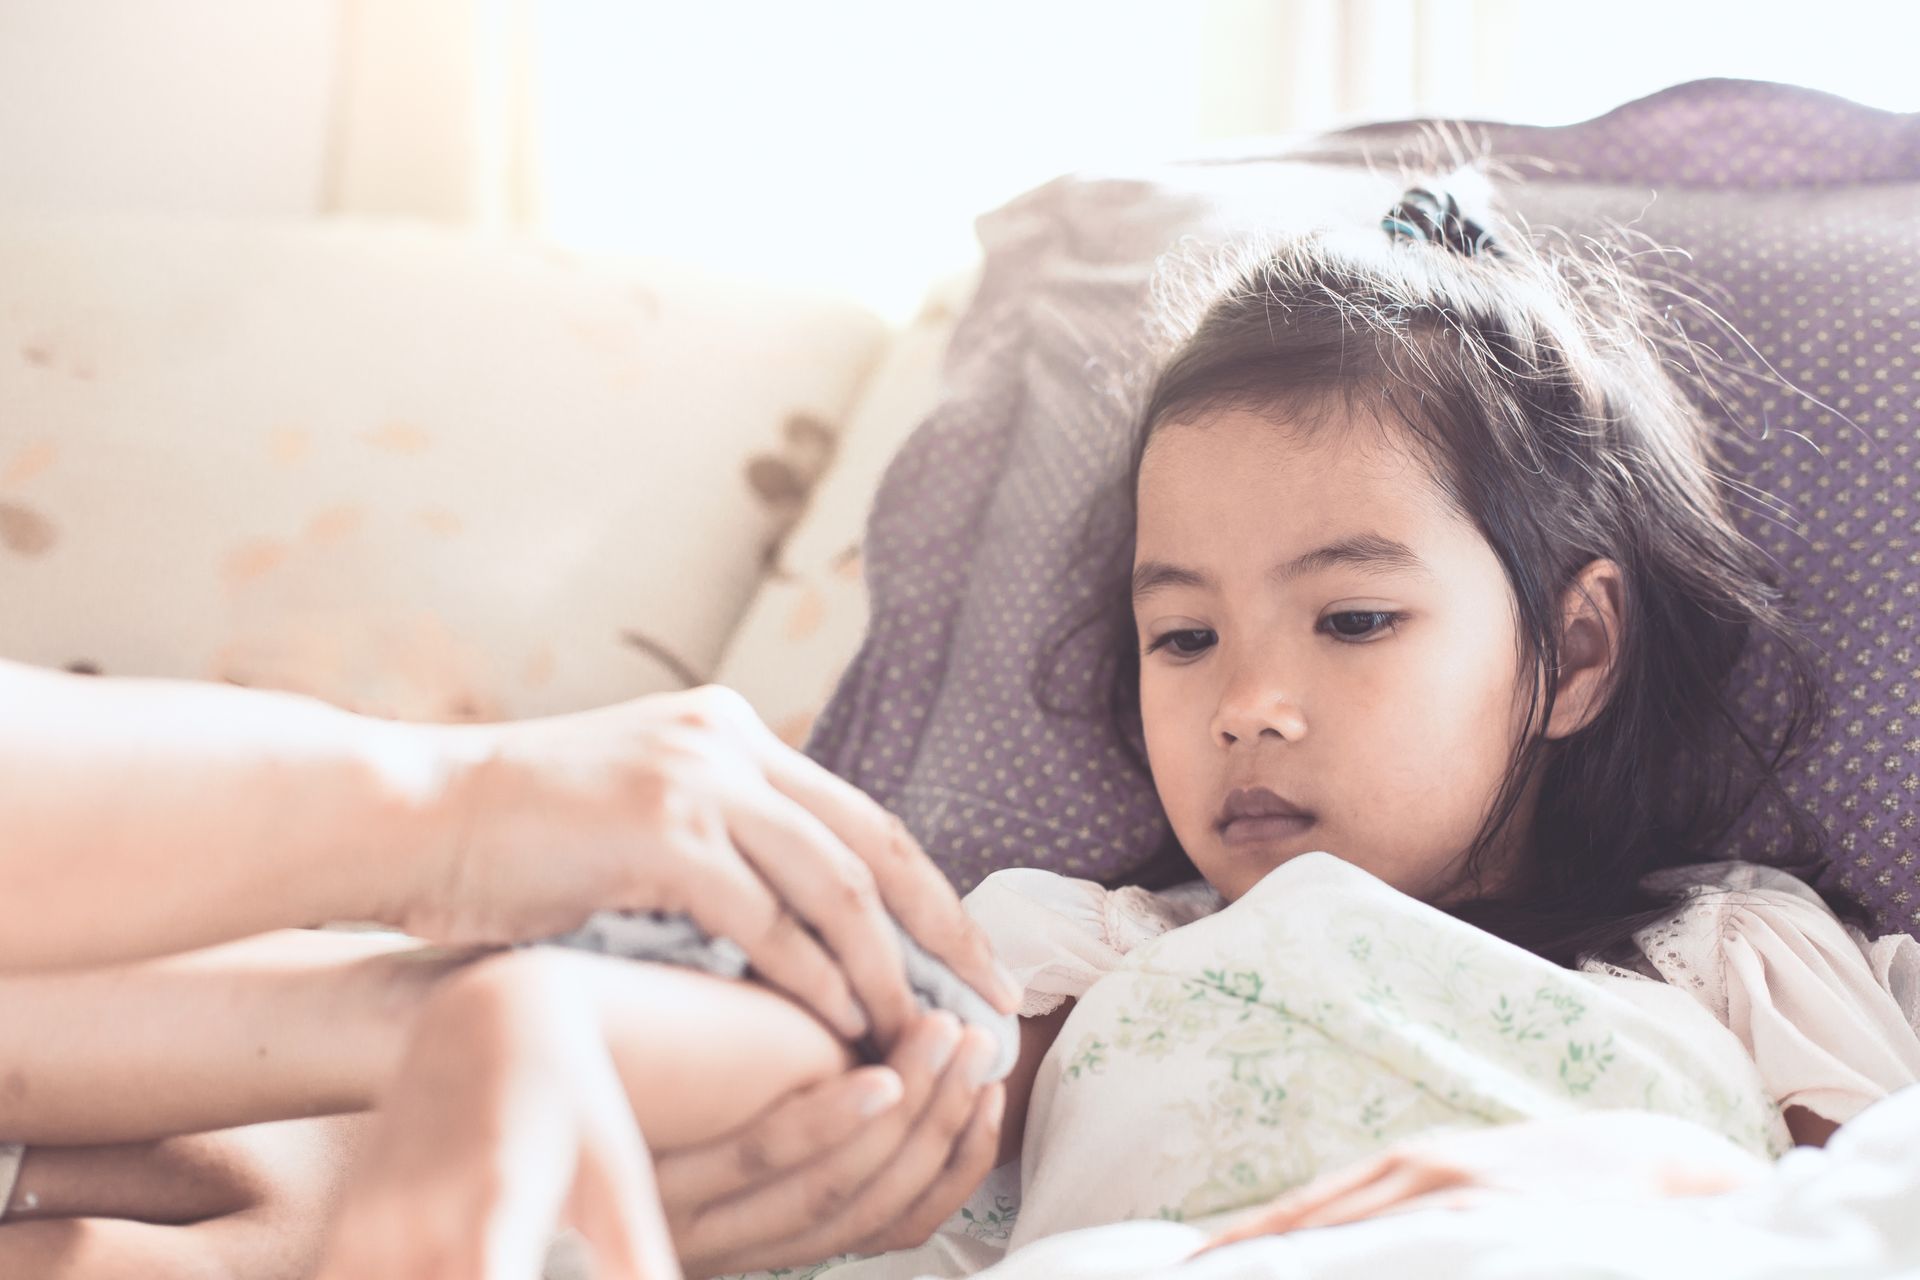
1135	915
1121	918
1753	905
1748	906
1056	934
1831	1015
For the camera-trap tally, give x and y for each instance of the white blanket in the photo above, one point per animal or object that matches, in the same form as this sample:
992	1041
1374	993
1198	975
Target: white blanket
1848	1212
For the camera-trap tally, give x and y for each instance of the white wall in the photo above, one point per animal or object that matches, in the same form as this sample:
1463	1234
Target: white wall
204	106
845	143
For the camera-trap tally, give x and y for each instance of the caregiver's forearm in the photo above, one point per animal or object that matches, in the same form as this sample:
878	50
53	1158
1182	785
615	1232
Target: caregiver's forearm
290	1024
140	817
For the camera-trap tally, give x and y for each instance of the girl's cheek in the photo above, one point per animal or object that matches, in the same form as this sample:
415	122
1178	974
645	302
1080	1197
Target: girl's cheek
1174	754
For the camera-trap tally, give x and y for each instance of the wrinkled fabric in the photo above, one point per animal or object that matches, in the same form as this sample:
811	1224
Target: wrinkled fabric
1843	1212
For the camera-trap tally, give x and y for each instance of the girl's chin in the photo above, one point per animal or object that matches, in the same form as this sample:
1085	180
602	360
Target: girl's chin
1233	875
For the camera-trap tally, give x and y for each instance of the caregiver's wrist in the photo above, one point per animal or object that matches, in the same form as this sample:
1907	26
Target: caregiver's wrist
415	792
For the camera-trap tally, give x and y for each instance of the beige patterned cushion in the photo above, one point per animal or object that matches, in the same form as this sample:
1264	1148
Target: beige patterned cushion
410	472
806	621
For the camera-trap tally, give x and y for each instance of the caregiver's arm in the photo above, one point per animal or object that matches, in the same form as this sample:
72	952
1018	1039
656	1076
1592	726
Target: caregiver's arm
146	816
289	1024
300	1023
139	817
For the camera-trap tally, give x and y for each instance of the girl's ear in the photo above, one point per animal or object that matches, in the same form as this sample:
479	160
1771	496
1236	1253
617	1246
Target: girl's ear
1590	613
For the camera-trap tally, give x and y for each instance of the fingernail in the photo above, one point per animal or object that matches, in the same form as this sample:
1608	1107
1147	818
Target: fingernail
881	1093
1010	992
941	1042
983	1053
853	1021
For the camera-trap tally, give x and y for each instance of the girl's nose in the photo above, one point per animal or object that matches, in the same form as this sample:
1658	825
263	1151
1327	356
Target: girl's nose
1253	708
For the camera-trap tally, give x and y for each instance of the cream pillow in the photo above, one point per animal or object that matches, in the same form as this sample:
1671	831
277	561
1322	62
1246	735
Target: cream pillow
808	617
408	471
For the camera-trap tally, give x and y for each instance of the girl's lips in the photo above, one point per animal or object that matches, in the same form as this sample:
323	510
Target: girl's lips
1261	830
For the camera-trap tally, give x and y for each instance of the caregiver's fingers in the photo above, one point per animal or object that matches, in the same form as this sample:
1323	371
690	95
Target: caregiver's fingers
617	1212
966	1168
932	1143
1398	1190
604	1190
1350	1194
790	1133
520	1188
1286	1211
764	1226
825	884
726	898
481	1224
614	1203
912	888
875	1218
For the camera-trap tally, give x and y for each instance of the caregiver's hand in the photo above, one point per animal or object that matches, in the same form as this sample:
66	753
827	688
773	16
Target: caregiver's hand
1594	1155
687	802
872	1160
146	817
506	1120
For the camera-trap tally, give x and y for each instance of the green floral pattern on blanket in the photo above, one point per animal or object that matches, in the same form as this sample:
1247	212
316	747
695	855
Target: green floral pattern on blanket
1325	1016
1317	1020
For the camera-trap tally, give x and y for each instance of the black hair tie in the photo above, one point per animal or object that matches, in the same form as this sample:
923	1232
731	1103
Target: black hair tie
1436	218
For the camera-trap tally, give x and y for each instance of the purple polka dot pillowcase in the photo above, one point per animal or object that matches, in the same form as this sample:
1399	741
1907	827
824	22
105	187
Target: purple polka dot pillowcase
1825	285
1797	217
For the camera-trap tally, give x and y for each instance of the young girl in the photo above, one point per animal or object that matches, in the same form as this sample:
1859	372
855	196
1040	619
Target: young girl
1430	571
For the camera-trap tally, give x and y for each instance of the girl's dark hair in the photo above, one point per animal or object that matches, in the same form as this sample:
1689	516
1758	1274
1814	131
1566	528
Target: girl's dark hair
1533	382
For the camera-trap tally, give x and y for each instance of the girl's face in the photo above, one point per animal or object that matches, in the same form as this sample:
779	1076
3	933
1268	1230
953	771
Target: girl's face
1314	619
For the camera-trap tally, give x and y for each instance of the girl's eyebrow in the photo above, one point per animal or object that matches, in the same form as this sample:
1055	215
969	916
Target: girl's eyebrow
1369	552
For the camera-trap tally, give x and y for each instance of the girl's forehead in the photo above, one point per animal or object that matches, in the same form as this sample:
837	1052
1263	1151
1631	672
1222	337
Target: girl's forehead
1256	456
1241	490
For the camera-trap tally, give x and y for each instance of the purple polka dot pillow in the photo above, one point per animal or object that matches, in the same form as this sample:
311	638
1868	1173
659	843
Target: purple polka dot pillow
1798	215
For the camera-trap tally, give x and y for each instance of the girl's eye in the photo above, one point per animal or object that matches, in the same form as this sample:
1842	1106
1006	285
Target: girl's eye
1359	625
1185	643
